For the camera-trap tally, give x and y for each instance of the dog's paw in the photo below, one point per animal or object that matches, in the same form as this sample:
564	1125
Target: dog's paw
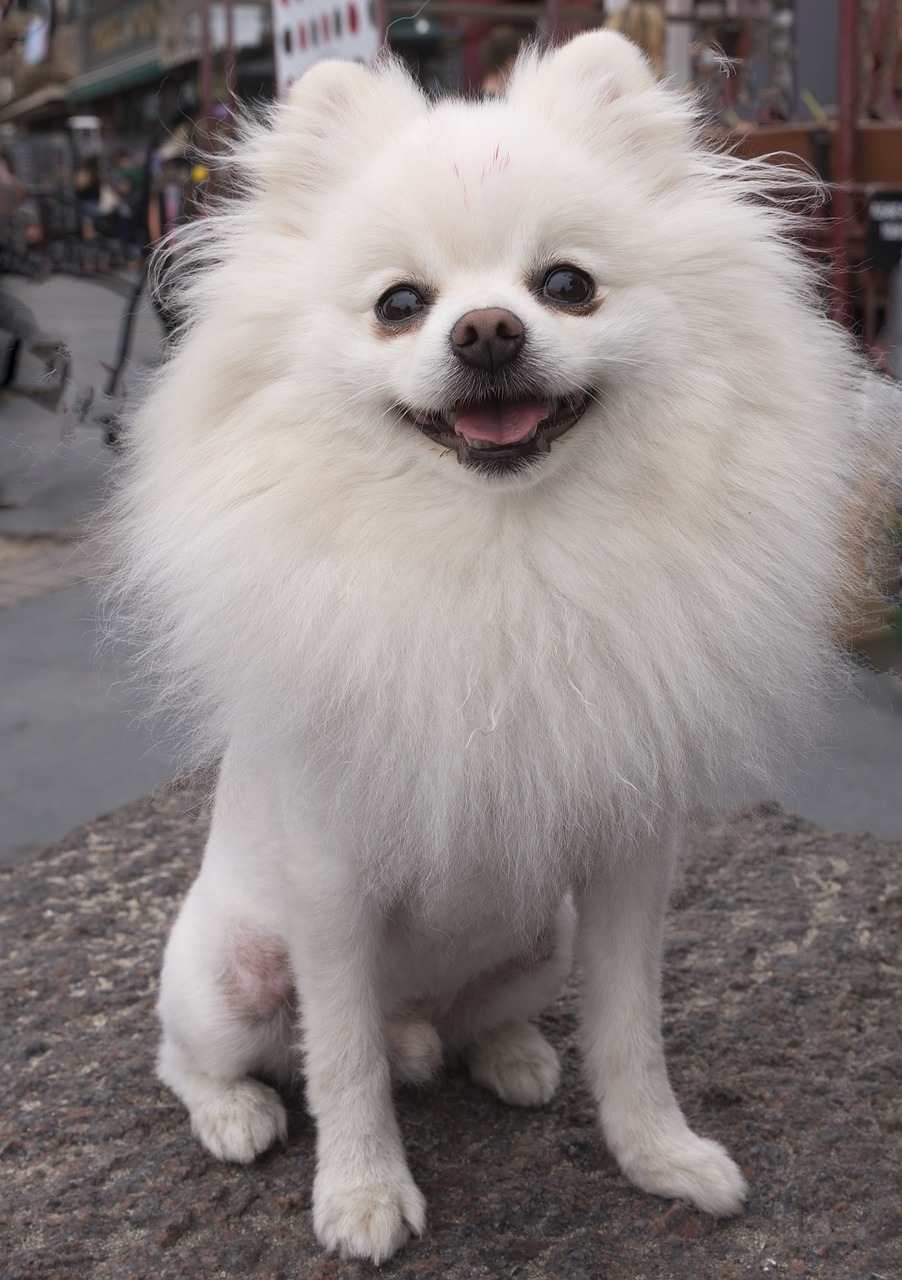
518	1064
239	1120
370	1221
687	1167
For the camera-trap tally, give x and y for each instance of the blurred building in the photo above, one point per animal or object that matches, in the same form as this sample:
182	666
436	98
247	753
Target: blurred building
87	82
140	60
38	58
127	64
132	64
750	55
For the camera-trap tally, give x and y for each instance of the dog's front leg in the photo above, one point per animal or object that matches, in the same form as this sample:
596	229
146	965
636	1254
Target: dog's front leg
365	1202
620	944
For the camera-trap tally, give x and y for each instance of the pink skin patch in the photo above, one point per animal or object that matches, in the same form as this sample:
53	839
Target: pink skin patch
500	423
261	978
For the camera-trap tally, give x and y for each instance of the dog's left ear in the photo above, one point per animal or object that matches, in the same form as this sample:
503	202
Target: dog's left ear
600	87
336	115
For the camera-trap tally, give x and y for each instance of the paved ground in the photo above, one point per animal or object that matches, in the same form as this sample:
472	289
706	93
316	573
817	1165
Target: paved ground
69	750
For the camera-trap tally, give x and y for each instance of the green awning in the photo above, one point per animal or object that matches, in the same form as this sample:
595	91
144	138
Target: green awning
99	84
46	101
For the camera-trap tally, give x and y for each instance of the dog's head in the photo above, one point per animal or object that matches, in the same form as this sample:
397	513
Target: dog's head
475	280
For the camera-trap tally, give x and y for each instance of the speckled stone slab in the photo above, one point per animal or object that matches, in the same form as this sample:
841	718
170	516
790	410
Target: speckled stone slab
783	987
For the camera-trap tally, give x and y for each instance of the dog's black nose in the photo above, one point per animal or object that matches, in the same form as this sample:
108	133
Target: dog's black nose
487	339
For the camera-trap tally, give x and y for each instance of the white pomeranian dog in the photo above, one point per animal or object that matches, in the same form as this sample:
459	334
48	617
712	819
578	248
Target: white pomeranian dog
487	517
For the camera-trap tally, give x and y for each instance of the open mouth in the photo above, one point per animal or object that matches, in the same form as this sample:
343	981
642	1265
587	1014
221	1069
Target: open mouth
499	435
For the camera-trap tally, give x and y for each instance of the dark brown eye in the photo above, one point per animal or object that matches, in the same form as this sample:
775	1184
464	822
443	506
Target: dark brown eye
400	304
568	287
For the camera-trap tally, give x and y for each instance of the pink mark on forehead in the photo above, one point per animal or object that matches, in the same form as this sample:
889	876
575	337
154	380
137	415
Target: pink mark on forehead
463	182
498	163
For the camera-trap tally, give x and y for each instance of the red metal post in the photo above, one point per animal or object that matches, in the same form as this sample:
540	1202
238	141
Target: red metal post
382	19
844	176
206	69
230	68
552	19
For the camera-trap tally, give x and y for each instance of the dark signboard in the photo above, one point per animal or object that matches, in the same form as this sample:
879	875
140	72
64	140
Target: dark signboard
114	31
885	230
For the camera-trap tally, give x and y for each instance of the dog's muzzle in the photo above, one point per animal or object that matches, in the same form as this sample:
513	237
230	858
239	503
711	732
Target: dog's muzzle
500	419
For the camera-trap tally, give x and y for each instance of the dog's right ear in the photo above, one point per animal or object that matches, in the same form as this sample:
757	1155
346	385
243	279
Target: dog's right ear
600	89
336	115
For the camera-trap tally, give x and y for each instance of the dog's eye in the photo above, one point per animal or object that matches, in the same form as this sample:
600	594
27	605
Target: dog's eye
568	287
400	304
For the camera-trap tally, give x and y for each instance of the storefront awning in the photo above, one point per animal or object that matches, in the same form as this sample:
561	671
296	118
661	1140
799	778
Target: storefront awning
136	69
40	102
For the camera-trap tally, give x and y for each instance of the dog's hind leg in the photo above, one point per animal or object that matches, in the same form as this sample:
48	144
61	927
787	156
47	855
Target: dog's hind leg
620	940
489	1020
227	1009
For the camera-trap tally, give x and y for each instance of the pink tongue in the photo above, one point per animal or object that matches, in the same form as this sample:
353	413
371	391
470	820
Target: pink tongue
500	423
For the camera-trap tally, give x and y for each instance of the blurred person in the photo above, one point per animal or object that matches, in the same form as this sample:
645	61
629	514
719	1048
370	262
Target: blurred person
174	180
128	174
880	27
97	198
86	184
711	72
20	232
20	226
11	189
498	53
130	187
646	26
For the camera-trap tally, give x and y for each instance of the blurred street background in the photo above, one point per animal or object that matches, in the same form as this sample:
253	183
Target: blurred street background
109	112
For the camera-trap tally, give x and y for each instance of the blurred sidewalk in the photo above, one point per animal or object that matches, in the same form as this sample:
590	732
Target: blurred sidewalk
853	782
52	466
69	747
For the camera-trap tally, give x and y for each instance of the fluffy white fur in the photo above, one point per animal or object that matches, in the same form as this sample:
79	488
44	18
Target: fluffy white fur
460	713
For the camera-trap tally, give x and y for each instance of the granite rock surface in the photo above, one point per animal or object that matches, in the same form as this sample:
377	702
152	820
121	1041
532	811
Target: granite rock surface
783	987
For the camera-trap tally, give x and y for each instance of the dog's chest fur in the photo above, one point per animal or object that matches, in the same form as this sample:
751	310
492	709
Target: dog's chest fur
503	720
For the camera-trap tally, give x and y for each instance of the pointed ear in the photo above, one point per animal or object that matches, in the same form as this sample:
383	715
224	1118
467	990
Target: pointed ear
600	87
603	63
336	115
